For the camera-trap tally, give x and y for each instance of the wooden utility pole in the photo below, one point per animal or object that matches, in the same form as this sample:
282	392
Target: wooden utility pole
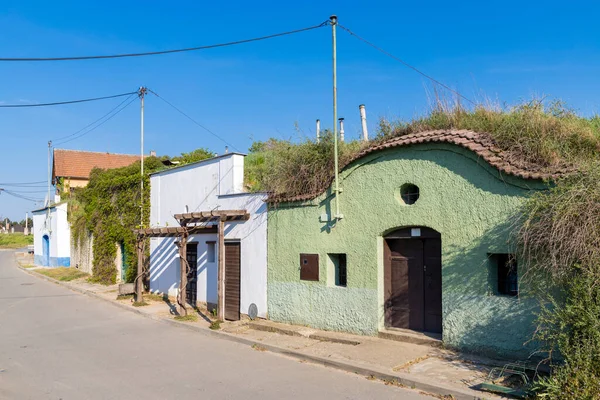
183	268
139	283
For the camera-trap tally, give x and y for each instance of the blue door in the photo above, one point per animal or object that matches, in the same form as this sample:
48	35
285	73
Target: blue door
46	251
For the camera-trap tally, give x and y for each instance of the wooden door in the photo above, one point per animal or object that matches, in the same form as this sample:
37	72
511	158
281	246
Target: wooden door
432	253
191	290
413	282
405	301
232	281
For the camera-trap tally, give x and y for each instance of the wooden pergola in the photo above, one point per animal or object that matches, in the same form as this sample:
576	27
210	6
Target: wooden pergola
189	224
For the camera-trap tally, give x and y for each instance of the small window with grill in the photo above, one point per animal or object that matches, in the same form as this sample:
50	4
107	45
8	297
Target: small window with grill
503	274
409	193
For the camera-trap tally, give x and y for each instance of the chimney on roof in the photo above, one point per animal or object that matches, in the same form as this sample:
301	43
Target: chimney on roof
363	122
318	130
226	149
152	153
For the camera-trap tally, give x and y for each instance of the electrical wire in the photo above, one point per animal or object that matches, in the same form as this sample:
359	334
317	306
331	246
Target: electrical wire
58	103
87	126
406	64
61	142
28	191
21	183
194	121
153	53
20	196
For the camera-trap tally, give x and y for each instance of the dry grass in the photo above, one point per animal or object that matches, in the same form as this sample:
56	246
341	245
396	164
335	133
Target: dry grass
63	274
547	134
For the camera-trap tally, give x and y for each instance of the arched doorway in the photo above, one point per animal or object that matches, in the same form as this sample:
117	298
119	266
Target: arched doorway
413	279
46	251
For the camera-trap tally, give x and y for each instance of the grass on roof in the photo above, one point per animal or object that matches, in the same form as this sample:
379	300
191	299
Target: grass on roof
548	134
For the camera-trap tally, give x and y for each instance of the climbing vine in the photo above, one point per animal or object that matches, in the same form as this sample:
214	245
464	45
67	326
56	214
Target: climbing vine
109	208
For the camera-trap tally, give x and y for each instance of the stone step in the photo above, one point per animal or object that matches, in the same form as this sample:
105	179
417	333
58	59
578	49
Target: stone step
414	337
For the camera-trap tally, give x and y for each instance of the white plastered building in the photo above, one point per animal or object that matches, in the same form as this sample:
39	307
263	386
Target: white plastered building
215	184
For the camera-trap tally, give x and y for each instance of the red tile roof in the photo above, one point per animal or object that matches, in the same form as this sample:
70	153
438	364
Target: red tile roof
79	164
482	144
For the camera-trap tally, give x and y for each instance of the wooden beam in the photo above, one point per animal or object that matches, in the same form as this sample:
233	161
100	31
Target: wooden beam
139	282
199	215
183	267
221	271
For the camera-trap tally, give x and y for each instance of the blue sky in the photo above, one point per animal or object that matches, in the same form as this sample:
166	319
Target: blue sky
504	51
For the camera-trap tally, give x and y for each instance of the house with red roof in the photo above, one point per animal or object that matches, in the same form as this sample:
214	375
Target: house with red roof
73	167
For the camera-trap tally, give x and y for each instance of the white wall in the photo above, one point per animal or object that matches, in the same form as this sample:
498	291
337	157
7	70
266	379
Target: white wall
205	186
196	186
53	222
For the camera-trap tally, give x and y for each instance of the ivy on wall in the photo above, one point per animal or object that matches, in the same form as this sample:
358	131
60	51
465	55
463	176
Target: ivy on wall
109	208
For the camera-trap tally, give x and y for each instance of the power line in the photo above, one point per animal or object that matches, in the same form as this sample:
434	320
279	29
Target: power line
20	196
194	121
99	125
21	183
153	53
57	103
406	64
87	126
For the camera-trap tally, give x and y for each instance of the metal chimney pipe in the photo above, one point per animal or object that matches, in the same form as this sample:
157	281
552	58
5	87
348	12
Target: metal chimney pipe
318	130
341	129
226	149
363	122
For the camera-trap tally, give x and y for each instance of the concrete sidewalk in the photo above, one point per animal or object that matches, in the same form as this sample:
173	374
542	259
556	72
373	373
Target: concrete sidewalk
430	369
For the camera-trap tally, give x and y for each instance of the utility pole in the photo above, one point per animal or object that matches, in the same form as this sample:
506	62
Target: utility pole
49	170
337	215
141	94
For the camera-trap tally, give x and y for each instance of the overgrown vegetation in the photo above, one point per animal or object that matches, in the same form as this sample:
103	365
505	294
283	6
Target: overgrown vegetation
283	167
14	240
109	209
63	274
560	244
550	136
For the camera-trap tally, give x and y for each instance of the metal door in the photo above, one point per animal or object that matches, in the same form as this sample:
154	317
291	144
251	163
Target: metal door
191	289
232	281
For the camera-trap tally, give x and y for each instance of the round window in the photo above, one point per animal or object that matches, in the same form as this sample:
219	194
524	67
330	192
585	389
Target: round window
409	193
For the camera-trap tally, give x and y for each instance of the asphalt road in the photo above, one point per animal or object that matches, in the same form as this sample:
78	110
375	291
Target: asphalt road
58	344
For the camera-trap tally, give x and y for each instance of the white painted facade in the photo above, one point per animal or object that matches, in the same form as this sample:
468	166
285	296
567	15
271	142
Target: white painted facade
216	183
52	236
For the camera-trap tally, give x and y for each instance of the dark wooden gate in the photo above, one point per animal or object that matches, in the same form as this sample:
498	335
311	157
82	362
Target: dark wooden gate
191	289
413	280
232	281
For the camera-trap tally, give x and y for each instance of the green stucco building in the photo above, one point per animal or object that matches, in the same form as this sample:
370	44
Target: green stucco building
424	244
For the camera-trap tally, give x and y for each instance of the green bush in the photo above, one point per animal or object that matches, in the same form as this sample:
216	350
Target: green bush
571	328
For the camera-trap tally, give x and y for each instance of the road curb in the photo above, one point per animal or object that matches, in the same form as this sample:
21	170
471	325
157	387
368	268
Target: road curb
367	371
